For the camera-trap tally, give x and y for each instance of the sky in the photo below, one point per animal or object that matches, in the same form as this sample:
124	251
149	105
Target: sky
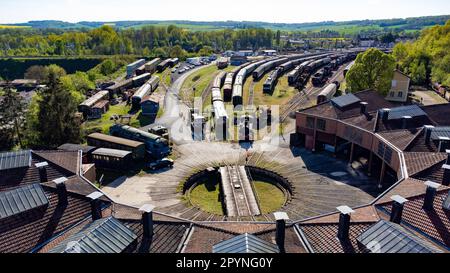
279	11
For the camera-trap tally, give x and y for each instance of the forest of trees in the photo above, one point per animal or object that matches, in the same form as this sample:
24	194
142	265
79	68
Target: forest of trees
428	58
147	41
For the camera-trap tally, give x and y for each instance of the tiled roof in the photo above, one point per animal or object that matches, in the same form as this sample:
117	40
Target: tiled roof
375	101
435	173
417	162
322	238
65	159
24	233
400	138
435	224
439	114
167	238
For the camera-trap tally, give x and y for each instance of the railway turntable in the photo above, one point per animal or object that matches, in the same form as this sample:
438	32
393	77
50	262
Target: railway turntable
239	197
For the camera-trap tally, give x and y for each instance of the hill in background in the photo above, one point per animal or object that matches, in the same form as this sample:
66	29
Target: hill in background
349	27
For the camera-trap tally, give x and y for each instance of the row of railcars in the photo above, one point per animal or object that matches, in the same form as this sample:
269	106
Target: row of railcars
228	85
237	95
272	80
157	146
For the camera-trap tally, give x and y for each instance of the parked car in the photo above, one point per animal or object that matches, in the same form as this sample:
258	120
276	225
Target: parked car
174	70
161	164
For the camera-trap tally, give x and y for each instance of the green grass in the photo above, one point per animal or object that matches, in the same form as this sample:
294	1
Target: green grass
206	197
270	196
105	123
198	80
281	95
12	27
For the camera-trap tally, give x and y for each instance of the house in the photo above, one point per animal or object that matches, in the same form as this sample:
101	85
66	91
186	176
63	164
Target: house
400	87
150	105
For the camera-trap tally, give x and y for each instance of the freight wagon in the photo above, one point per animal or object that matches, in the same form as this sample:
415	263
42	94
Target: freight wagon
327	93
87	106
348	68
111	142
131	68
163	65
147	89
120	87
150	67
141	79
156	146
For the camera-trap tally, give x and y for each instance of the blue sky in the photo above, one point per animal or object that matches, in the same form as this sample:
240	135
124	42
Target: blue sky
284	11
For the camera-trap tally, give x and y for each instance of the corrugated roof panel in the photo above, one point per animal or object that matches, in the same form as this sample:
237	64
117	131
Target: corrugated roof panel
21	200
440	132
13	160
387	237
245	243
410	110
106	235
346	100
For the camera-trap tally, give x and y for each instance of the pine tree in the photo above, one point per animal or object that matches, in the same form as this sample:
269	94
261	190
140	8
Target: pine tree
56	122
12	119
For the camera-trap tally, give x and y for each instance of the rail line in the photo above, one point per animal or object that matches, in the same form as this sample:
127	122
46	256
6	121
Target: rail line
239	195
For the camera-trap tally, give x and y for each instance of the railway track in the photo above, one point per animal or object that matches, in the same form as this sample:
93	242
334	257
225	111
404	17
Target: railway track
240	198
307	93
251	93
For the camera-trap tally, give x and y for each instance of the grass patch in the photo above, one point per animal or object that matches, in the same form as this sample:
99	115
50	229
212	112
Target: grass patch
281	95
270	196
198	80
206	197
102	125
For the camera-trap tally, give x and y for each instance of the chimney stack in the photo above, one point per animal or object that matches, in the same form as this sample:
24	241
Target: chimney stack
147	220
428	130
61	190
344	222
429	195
406	121
443	144
397	209
42	171
363	106
280	237
385	114
96	209
446	175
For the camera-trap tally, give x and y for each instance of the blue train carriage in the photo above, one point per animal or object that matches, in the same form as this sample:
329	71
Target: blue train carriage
156	146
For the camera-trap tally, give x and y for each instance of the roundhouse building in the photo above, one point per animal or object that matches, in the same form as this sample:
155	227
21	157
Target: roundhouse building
389	141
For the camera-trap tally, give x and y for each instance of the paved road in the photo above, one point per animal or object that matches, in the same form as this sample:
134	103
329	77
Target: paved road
176	114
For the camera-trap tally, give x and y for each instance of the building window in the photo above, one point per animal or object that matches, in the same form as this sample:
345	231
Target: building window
310	122
321	124
380	149
400	94
394	83
391	94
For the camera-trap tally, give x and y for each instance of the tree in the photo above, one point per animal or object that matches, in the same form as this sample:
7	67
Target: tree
36	72
12	119
373	69
278	38
55	123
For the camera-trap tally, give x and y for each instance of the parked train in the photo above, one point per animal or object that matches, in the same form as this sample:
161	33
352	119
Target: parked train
216	87
272	80
348	68
147	89
151	66
157	146
163	65
322	75
141	79
264	68
295	74
228	85
240	79
328	93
